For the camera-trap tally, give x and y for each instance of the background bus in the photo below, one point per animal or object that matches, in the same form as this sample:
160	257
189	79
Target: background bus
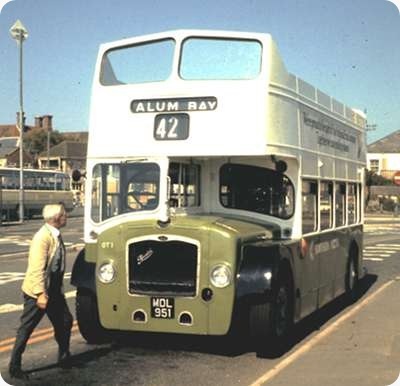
40	188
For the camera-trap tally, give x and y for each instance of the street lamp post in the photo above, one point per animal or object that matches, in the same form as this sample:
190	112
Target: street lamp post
19	33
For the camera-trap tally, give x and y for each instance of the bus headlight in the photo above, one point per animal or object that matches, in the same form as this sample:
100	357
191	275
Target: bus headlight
221	276
106	273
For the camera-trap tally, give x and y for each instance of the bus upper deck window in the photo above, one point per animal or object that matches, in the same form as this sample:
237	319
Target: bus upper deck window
146	62
220	59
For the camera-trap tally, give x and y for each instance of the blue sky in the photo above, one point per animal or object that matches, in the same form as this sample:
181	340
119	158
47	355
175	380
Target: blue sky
348	49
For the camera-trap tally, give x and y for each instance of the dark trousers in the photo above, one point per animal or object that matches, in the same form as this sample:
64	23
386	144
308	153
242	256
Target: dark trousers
59	315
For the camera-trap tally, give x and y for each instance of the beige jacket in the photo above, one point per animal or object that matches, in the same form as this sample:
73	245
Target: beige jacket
41	252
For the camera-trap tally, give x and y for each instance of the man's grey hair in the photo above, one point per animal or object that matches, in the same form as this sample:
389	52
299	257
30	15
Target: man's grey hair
50	211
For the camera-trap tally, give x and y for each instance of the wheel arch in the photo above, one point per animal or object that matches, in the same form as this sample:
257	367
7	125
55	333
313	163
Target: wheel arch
260	267
83	273
354	254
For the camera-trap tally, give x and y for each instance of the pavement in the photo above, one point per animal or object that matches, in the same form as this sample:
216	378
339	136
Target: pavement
361	347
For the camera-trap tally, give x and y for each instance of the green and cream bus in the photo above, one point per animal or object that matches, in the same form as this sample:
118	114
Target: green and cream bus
220	187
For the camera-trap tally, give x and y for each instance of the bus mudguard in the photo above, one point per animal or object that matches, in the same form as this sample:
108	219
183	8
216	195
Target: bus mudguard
258	269
83	273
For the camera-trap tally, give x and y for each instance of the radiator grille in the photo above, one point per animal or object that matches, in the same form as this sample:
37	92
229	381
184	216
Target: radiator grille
163	267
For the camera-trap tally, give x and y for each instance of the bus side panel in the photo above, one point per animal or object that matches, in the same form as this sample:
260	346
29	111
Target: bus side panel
327	251
307	271
351	241
334	250
342	237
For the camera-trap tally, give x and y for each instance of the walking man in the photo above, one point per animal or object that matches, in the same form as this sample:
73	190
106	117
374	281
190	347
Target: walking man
43	289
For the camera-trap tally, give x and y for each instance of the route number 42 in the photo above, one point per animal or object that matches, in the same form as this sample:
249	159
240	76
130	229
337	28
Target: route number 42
171	127
167	128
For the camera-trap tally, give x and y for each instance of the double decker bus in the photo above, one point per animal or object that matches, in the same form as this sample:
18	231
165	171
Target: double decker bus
220	189
40	188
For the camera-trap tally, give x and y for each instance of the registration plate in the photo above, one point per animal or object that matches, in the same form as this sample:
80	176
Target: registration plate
162	308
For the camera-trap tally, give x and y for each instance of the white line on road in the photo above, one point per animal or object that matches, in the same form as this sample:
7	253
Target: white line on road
379	251
5	308
9	277
317	338
373	258
375	254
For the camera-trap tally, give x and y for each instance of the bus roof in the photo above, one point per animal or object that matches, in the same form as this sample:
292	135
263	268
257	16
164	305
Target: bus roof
183	114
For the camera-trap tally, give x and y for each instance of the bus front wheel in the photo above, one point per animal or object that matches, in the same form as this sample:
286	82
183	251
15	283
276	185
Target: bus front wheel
87	315
271	322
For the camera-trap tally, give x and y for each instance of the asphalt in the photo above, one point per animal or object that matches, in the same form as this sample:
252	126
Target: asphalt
359	347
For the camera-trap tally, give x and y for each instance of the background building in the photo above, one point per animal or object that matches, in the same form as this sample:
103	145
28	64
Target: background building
383	157
383	161
68	154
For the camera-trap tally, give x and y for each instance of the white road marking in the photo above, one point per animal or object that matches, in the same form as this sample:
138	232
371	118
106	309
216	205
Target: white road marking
9	277
375	254
383	250
377	251
317	338
9	307
379	230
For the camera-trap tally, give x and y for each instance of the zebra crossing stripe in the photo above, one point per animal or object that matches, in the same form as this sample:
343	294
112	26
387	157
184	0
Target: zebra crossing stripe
376	254
377	250
395	249
6	308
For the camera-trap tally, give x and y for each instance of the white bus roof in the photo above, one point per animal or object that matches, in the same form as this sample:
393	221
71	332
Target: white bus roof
272	113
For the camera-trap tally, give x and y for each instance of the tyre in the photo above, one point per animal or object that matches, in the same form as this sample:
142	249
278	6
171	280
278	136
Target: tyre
351	283
271	322
87	315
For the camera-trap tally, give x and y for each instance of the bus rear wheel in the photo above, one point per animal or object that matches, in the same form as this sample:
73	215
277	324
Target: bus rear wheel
352	277
87	315
271	322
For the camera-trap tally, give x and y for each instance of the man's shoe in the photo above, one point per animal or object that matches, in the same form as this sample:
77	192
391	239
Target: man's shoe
16	372
64	359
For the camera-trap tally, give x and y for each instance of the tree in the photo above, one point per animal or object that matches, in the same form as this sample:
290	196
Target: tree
373	179
35	141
